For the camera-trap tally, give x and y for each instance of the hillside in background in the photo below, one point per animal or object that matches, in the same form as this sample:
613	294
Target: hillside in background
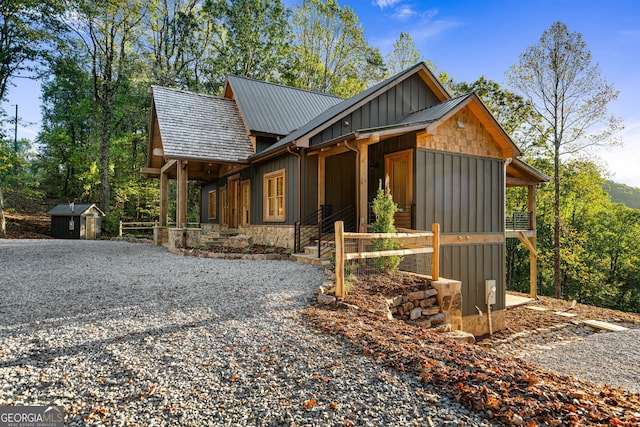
621	193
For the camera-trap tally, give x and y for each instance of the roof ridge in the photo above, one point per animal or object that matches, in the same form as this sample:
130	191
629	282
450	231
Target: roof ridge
190	92
455	98
317	92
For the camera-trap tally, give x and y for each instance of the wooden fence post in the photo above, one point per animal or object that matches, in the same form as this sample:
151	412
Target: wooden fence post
120	233
435	256
339	238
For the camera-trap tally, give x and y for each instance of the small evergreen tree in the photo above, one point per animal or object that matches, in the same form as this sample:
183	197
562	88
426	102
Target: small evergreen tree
384	209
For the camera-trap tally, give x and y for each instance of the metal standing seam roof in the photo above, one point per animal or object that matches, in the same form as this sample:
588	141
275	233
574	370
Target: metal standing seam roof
78	209
196	126
337	109
277	109
427	115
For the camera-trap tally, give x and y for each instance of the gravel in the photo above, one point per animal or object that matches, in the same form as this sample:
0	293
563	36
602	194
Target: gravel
611	358
127	334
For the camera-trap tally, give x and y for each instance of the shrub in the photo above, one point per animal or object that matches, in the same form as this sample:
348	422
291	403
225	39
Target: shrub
384	209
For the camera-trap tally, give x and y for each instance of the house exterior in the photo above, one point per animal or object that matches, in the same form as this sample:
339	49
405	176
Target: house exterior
81	221
269	156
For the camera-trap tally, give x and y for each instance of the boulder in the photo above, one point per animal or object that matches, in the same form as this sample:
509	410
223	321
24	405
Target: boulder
240	241
461	336
415	313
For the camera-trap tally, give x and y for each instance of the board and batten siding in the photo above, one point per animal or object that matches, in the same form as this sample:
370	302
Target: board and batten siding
255	174
464	194
408	96
309	185
472	265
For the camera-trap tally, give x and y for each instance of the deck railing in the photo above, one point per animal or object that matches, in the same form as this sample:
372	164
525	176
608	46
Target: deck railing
147	226
518	220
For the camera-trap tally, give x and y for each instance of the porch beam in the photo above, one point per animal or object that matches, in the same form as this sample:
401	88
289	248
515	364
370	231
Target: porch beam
170	164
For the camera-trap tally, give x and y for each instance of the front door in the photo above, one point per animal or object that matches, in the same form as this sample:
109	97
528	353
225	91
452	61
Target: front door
399	168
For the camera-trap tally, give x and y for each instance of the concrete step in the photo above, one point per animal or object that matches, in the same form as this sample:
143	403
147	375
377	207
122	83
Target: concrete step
605	326
310	259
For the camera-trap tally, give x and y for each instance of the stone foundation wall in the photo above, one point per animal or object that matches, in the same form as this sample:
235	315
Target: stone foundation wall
160	235
281	236
480	326
450	301
183	237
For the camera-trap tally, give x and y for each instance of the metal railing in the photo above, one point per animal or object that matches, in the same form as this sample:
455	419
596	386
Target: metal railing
317	228
518	220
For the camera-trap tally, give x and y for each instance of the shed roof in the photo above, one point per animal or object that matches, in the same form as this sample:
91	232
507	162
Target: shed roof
203	127
276	109
520	173
73	209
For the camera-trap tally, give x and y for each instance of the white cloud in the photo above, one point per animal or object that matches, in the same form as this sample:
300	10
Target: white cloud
404	12
385	3
622	162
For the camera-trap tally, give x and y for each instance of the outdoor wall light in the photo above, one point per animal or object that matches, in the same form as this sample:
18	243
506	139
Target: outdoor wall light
460	124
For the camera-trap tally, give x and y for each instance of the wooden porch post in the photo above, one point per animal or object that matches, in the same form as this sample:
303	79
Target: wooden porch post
181	202
362	187
321	178
164	198
533	258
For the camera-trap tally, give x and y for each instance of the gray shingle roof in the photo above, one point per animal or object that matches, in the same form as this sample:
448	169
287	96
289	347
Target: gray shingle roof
195	126
277	109
77	209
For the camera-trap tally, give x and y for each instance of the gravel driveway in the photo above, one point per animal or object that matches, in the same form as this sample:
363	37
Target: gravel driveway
128	334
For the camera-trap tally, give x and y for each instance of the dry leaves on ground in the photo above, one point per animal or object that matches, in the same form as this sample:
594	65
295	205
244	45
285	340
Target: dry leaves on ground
509	390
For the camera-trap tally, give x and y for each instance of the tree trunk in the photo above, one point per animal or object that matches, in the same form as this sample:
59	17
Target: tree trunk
557	283
2	222
105	152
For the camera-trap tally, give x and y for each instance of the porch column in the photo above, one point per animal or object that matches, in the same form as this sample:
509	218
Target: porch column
533	258
362	187
181	197
164	198
321	178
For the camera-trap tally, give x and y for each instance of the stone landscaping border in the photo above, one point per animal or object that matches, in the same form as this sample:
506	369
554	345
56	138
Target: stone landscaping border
220	255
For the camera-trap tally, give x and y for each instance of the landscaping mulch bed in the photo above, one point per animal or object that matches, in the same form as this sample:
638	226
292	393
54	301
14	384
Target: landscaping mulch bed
508	390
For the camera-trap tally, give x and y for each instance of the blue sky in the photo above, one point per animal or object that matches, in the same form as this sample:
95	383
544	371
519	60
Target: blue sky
468	39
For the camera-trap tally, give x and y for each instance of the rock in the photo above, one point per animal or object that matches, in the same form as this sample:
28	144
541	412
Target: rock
461	336
326	299
239	241
407	307
427	302
342	304
416	313
396	301
436	319
424	323
430	311
384	313
430	293
415	296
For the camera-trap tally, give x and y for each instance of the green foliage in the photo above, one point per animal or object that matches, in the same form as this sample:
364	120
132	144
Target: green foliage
405	54
331	53
384	209
621	193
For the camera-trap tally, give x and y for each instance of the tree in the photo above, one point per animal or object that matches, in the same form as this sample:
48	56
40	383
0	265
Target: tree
331	53
384	209
405	53
107	29
514	113
569	94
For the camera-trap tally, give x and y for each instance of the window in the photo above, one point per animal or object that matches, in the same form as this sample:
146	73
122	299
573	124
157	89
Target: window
213	204
245	202
274	196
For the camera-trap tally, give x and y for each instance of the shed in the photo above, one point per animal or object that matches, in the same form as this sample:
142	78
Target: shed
81	221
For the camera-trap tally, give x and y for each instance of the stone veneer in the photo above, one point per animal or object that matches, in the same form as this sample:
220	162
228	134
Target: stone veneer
449	299
183	237
281	236
479	326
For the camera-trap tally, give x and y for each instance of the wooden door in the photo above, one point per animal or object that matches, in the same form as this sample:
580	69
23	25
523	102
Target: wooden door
234	201
245	202
90	231
399	168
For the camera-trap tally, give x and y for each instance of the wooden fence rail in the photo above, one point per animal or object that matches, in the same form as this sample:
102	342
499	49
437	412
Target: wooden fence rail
147	225
342	256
